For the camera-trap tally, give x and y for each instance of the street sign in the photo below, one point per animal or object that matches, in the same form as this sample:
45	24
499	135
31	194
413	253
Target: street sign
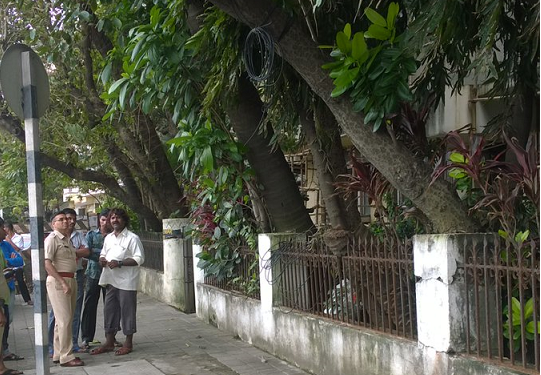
12	82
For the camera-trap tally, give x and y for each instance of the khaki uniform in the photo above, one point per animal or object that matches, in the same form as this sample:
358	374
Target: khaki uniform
60	251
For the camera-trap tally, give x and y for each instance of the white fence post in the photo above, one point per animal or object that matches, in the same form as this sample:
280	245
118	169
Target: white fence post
441	293
177	265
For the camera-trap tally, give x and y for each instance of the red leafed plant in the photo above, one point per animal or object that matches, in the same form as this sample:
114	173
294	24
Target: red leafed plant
505	193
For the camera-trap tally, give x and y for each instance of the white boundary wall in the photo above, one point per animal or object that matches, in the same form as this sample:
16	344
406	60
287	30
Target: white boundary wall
324	347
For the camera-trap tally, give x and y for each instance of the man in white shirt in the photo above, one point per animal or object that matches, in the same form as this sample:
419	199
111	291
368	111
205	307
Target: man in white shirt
121	257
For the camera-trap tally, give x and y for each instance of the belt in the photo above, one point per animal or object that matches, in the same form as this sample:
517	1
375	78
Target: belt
67	274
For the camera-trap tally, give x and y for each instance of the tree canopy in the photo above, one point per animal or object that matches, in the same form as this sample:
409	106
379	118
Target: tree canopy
166	93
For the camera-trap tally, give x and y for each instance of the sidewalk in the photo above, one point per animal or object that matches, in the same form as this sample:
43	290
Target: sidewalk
167	342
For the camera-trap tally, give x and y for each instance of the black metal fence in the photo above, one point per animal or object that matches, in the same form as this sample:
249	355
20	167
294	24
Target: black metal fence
245	275
370	284
153	245
502	298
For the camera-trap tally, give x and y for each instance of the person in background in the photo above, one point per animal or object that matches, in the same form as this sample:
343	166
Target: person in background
79	243
4	298
60	264
16	241
121	258
94	239
13	260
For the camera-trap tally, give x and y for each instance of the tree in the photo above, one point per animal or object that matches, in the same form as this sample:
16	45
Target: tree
134	148
409	175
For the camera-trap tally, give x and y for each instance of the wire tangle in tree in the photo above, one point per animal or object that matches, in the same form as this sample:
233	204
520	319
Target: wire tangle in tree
258	54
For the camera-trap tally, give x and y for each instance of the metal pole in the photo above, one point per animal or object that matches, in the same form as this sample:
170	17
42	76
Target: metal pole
35	206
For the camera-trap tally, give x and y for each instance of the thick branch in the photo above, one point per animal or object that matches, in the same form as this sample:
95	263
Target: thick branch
408	174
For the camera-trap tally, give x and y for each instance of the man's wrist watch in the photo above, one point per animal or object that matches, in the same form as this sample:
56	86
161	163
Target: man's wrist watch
120	264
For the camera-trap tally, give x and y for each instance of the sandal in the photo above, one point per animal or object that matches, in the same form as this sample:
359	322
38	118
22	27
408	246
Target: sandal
99	350
123	351
12	372
12	357
79	349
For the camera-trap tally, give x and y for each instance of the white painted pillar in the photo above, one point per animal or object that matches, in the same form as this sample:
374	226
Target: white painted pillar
441	290
198	273
177	259
269	266
265	272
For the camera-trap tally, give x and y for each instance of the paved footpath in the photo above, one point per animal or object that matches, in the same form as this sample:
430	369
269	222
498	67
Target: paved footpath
167	342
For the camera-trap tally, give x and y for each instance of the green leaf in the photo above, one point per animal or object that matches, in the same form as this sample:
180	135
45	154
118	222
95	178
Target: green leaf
457	173
154	16
522	236
343	43
338	91
516	306
116	85
106	73
392	12
122	95
346	78
370	116
530	327
358	46
117	23
137	48
332	65
403	91
375	17
359	105
147	101
377	124
528	308
456	157
347	30
207	160
84	15
378	32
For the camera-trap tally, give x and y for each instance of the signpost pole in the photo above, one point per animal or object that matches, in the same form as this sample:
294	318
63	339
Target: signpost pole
35	205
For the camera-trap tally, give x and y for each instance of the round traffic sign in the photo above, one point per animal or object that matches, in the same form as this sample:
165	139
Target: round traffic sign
11	79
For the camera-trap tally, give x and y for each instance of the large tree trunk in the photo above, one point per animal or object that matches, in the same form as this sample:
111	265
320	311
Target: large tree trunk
155	174
280	195
410	176
329	162
145	156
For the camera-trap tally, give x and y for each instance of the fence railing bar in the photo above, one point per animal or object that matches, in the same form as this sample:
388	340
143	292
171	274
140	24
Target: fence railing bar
521	299
499	312
486	290
475	248
510	309
535	303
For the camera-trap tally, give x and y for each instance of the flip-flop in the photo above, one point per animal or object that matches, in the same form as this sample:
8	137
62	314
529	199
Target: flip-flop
99	350
123	351
12	357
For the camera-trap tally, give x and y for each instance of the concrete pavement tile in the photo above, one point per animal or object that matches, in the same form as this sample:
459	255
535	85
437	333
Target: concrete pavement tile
167	340
124	368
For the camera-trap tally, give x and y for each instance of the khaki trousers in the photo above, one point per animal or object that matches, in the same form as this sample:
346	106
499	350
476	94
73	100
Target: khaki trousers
63	307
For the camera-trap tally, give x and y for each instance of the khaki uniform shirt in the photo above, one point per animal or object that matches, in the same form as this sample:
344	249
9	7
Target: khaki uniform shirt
60	251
